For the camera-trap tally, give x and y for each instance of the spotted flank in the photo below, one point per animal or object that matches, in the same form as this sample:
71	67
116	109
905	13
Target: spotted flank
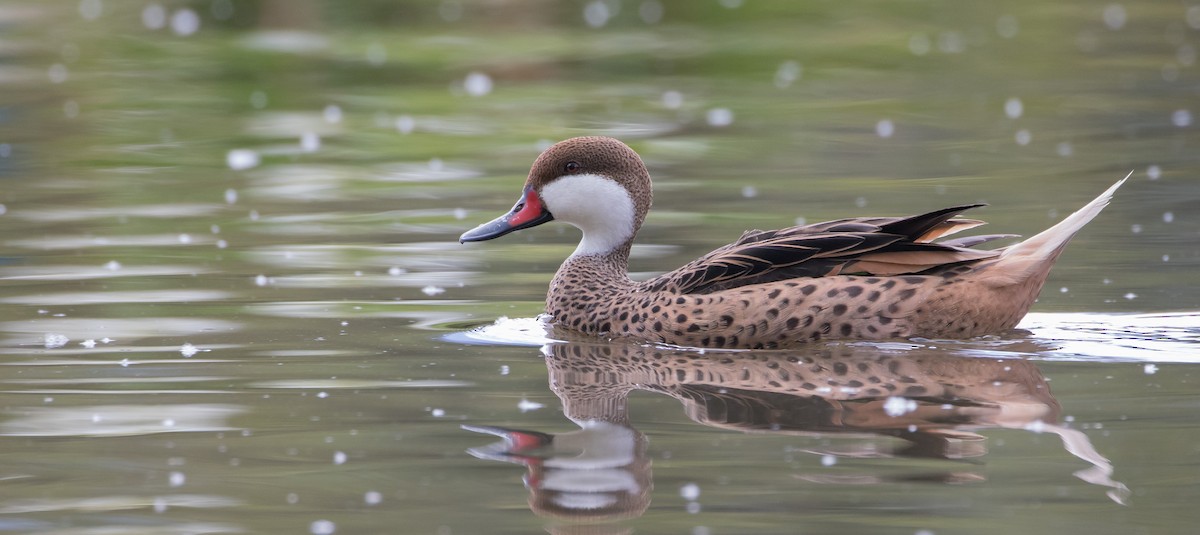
857	278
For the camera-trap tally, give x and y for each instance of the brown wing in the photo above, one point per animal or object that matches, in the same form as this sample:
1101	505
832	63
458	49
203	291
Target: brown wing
876	246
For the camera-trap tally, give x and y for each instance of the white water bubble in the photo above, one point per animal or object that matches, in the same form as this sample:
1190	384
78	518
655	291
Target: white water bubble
372	497
437	413
310	142
719	117
1149	369
1181	118
57	73
596	14
339	457
1135	228
828	460
54	340
405	124
1115	16
242	159
261	280
185	22
188	350
1130	296
651	11
1168	217
787	73
919	44
672	100
91	9
112	265
885	128
322	527
1064	149
1153	172
477	84
690	491
1013	108
231	196
176	479
89	343
898	406
1023	137
154	16
332	114
749	192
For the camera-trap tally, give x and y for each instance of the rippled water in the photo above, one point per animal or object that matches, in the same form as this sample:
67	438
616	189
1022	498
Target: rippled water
232	298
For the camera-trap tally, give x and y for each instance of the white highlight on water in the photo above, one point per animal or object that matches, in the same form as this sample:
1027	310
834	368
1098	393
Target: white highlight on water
885	128
1013	108
188	350
898	406
242	159
719	117
185	22
690	491
672	100
54	340
477	84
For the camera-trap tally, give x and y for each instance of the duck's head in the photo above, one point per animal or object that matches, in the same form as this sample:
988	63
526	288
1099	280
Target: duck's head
597	184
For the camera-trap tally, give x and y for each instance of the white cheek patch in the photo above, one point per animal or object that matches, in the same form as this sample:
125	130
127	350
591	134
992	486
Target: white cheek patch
595	204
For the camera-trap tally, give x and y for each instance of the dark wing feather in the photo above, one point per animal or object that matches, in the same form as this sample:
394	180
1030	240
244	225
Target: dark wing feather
916	226
889	245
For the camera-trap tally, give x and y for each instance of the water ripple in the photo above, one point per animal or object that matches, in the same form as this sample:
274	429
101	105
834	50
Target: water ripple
119	420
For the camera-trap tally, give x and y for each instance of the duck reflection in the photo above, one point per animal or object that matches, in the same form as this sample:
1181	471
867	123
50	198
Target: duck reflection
932	402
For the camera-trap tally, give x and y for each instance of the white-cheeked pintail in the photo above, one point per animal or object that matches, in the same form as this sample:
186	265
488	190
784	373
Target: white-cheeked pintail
864	278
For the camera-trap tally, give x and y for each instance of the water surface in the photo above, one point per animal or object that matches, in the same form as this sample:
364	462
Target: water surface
232	298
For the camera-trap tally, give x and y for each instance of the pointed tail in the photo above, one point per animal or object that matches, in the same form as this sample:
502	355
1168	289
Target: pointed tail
1025	259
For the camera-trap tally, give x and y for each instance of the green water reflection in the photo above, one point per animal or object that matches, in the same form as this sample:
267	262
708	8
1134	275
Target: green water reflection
228	255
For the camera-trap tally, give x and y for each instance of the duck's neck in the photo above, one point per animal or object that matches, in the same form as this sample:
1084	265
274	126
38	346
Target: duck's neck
589	280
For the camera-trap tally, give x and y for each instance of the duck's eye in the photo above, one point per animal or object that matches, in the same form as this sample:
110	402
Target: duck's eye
571	167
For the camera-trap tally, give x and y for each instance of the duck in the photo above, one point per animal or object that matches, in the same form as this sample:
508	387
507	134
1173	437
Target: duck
862	278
